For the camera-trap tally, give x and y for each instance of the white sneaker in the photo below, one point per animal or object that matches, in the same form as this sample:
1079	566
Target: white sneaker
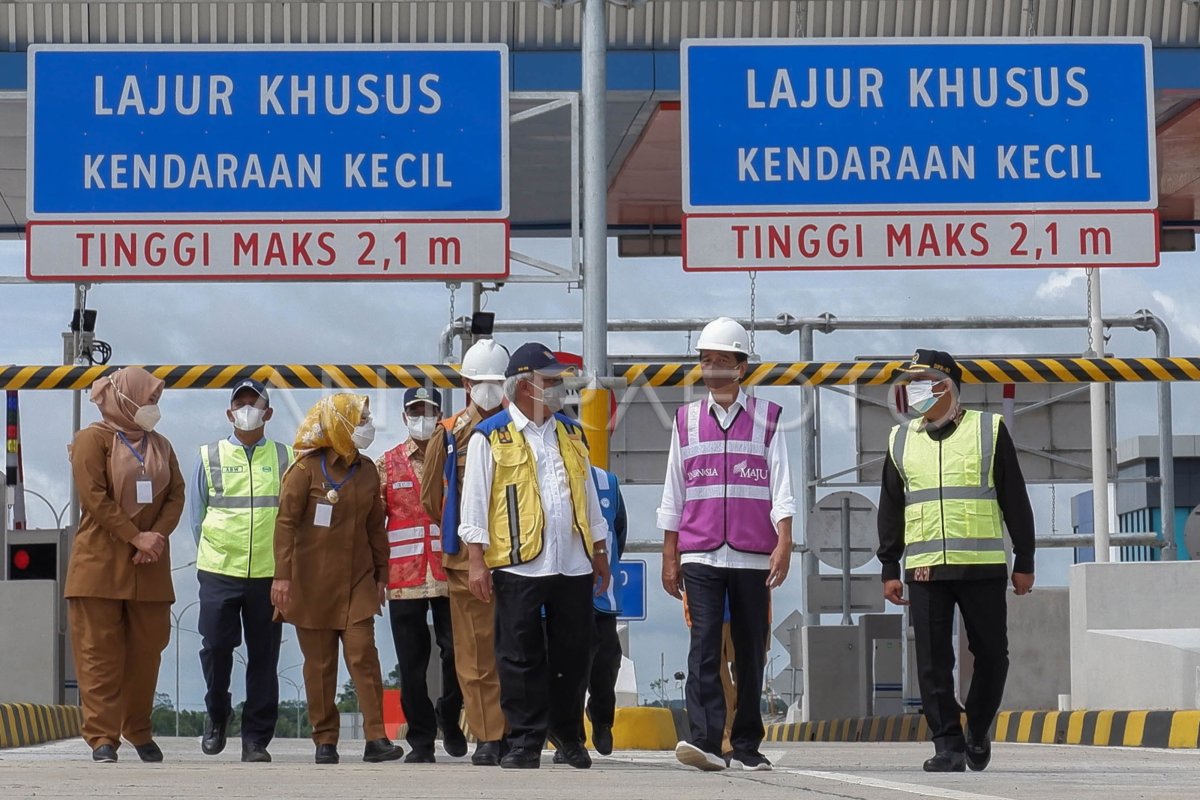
750	762
693	756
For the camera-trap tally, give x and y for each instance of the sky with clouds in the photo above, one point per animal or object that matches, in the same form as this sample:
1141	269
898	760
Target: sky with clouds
401	323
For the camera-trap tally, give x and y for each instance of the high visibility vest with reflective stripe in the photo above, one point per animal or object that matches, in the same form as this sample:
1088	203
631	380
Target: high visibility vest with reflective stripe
727	478
951	515
237	537
516	521
416	544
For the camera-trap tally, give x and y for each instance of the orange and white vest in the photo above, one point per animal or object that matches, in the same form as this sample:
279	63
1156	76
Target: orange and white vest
415	539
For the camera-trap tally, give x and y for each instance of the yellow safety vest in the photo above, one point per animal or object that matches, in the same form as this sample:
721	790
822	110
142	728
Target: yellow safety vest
237	537
516	522
951	515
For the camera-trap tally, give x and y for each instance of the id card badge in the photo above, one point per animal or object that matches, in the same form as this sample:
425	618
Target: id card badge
323	517
145	491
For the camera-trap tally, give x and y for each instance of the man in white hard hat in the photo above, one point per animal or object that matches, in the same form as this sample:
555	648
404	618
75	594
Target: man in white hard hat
726	514
472	620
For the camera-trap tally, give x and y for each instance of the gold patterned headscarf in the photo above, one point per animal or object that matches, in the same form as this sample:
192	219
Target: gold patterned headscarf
331	423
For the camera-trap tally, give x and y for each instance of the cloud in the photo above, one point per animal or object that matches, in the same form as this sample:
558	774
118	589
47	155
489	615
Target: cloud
1056	285
1183	323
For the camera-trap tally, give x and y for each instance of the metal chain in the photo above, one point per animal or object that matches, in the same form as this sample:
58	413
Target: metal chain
1091	340
753	306
1053	511
452	287
1031	11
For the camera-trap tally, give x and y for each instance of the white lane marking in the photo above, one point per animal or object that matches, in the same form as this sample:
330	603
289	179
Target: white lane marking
908	788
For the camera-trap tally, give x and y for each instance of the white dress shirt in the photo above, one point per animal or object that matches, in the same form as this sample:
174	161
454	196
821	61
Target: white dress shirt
783	503
562	551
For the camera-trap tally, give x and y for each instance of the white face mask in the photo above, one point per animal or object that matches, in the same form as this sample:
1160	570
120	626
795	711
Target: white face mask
553	397
420	428
147	417
487	395
248	418
921	396
363	435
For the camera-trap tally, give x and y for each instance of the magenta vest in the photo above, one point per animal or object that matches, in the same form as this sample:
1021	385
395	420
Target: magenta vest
727	478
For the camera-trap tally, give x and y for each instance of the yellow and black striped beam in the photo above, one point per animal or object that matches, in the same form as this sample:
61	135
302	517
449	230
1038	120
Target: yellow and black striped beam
1169	729
23	724
225	376
990	370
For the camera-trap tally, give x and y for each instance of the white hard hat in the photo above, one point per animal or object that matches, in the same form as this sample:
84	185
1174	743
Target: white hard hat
485	361
726	335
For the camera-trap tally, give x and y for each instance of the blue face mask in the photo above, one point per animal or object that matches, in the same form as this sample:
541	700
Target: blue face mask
921	397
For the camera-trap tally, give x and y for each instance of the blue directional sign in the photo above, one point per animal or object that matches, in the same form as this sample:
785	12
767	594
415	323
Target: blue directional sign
630	589
222	132
927	124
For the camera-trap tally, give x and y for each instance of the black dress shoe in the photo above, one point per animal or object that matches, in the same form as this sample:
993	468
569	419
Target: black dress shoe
149	752
487	754
255	753
327	754
105	754
979	752
576	755
602	739
378	750
453	738
947	761
522	758
420	757
214	737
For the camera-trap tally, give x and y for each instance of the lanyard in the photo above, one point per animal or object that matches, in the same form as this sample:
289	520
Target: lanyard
329	481
141	457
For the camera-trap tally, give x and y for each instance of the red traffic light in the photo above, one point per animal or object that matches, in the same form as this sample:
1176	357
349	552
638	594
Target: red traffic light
21	559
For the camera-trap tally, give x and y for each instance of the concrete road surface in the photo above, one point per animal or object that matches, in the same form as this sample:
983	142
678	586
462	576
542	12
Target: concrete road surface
802	771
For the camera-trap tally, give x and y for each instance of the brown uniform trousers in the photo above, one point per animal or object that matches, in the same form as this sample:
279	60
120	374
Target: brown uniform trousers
119	614
334	572
474	622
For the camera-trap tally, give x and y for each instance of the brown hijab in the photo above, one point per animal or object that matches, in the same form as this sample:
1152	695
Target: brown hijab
119	396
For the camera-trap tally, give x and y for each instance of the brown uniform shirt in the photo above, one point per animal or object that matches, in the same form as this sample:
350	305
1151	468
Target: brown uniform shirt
101	556
433	490
334	569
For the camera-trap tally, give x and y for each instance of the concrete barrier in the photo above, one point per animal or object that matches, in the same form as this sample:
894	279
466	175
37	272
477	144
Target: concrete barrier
1164	729
641	728
1161	729
23	724
895	728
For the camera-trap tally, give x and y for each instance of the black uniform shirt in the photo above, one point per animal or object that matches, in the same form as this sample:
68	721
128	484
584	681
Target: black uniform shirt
1010	493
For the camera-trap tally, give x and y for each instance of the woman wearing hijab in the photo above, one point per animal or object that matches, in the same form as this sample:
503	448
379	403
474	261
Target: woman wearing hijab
119	579
331	567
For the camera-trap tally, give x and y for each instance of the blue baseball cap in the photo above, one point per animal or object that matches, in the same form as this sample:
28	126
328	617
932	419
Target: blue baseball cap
249	384
422	394
535	357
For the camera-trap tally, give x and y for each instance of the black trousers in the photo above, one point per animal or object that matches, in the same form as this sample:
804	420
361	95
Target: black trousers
227	607
606	664
543	665
749	608
984	608
410	634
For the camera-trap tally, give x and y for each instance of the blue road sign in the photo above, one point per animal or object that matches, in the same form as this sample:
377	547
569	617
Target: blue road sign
928	124
206	132
630	589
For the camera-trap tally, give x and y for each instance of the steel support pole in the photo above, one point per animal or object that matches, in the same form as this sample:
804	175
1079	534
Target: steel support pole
1099	423
595	187
846	599
809	566
1166	444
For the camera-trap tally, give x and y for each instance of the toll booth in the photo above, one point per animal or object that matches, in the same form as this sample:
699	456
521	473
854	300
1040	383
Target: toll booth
1138	505
35	659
